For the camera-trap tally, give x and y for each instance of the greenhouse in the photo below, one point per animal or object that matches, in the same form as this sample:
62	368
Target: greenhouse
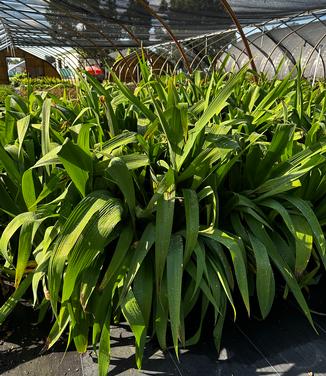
162	187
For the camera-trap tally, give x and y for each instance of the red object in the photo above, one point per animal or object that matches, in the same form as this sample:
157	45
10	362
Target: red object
94	70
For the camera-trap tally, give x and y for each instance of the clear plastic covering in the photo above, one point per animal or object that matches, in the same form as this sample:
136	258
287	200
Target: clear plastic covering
100	27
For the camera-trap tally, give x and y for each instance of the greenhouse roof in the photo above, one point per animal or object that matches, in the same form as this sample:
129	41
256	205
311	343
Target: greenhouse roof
119	24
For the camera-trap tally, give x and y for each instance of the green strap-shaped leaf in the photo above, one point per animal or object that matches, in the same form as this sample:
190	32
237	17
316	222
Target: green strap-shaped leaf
133	99
22	126
281	265
7	204
223	259
50	185
9	231
223	281
162	314
105	346
191	270
122	247
164	185
265	283
234	247
196	337
303	243
214	108
28	190
312	220
164	223
45	126
122	139
71	232
143	289
42	255
93	239
88	280
78	164
50	158
100	306
143	292
144	245
200	264
281	138
10	166
78	325
217	333
134	316
192	222
174	286
27	233
120	174
281	210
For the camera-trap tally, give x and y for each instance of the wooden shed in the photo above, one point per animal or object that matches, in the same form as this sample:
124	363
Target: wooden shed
35	67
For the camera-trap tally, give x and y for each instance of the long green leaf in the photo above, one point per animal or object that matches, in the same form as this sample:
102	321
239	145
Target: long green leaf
174	286
265	282
233	245
192	221
164	223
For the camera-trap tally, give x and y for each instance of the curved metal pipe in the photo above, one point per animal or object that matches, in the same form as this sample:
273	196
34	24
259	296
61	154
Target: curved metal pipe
234	17
168	29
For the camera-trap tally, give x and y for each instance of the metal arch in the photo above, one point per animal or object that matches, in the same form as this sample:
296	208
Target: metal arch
224	35
252	42
285	37
230	11
277	45
282	47
76	32
131	70
164	53
60	42
166	62
168	29
157	59
235	61
296	33
90	26
194	50
217	57
266	55
114	21
317	44
224	49
125	66
8	36
321	57
55	48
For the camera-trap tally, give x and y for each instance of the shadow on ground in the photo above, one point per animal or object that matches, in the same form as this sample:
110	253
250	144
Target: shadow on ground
22	344
284	344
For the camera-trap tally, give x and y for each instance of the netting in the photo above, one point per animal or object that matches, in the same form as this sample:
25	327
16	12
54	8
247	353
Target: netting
79	33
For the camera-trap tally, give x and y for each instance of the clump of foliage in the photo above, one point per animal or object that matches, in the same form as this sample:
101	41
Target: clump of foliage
55	86
5	90
38	83
52	85
149	204
16	79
